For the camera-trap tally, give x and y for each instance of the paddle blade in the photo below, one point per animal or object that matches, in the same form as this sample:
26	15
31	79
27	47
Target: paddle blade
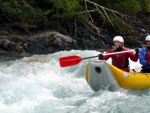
69	60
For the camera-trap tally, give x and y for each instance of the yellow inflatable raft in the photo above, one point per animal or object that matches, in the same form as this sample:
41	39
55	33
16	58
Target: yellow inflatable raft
100	74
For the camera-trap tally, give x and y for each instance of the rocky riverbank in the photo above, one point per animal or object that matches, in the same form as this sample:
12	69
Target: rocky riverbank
43	27
18	43
41	43
46	42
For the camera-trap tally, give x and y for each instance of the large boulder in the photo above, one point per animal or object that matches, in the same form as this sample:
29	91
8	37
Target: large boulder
40	43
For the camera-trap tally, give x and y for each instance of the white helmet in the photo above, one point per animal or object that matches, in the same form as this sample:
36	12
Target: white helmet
118	38
147	38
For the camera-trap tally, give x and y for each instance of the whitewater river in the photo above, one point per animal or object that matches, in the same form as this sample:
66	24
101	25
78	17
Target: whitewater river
38	84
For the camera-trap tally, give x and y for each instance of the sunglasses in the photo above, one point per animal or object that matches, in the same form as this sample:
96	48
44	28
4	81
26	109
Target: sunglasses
147	41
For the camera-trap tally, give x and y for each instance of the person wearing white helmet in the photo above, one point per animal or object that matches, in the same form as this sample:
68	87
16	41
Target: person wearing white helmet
118	38
120	60
144	56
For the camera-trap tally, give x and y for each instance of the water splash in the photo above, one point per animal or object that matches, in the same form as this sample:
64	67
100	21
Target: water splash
38	84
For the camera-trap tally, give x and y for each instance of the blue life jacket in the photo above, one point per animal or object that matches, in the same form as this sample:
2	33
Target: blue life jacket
144	57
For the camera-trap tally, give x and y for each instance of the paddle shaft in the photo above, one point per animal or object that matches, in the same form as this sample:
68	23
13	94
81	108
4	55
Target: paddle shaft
111	53
118	52
90	57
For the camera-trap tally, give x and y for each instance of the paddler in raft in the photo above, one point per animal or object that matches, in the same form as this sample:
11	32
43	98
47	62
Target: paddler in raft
144	56
121	61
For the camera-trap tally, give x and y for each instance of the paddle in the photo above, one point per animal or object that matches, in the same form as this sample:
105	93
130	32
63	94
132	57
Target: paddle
73	60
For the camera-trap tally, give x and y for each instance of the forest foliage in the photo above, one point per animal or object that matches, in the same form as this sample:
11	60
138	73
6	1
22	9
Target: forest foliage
35	11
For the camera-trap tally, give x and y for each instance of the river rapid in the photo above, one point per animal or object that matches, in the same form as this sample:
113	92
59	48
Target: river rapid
38	84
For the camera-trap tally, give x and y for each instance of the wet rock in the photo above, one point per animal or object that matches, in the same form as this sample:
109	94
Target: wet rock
40	43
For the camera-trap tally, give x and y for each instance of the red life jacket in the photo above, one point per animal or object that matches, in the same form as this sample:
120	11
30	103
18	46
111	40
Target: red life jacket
147	56
121	60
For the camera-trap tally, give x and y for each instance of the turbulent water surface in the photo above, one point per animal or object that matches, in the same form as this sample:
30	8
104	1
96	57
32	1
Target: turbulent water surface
38	84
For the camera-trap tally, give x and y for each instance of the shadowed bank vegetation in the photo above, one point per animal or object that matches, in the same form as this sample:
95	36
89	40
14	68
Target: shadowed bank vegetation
100	17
